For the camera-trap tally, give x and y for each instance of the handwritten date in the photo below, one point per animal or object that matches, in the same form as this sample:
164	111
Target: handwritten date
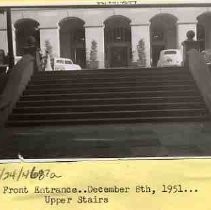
33	173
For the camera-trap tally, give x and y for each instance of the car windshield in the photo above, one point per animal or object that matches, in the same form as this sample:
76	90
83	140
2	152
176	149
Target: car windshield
59	61
68	62
170	52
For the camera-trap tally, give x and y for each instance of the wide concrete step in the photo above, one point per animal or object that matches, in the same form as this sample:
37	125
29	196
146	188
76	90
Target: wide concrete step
109	89
110	74
68	84
108	101
110	114
149	119
107	107
112	78
129	94
122	71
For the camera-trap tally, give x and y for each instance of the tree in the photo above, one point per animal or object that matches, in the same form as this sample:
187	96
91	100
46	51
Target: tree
141	53
48	48
93	63
48	51
93	52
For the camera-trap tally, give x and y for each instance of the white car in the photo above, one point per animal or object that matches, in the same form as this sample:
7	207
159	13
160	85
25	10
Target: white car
170	57
64	64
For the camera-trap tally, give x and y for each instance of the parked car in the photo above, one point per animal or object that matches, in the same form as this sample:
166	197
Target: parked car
64	64
170	57
3	62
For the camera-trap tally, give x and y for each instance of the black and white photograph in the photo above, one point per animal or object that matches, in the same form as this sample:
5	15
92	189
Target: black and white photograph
105	80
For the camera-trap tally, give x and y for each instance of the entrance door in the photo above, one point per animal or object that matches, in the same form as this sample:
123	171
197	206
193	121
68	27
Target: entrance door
78	56
81	57
156	53
118	56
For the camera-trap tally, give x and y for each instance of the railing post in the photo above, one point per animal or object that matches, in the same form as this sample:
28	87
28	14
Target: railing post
32	49
188	45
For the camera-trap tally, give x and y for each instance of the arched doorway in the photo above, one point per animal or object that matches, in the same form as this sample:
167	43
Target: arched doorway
117	35
201	36
23	29
204	31
163	35
72	40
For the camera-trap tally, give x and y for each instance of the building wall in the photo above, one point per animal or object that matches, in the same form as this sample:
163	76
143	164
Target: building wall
140	21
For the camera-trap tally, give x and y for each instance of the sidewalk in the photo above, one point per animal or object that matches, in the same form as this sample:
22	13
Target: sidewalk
126	140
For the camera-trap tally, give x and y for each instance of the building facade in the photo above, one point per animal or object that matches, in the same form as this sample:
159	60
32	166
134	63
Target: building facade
112	37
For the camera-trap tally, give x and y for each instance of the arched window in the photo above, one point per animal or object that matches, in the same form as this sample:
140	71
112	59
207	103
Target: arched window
23	29
204	31
117	35
72	40
163	34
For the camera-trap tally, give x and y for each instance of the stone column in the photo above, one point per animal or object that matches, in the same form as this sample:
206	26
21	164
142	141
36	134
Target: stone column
14	44
182	29
52	35
138	32
95	33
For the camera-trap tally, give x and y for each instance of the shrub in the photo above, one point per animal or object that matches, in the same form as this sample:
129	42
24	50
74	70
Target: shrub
48	48
141	53
93	52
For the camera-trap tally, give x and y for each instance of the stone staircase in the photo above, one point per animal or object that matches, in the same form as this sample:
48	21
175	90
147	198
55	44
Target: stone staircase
109	96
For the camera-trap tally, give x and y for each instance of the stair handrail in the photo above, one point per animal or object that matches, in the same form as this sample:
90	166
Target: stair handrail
18	78
201	74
